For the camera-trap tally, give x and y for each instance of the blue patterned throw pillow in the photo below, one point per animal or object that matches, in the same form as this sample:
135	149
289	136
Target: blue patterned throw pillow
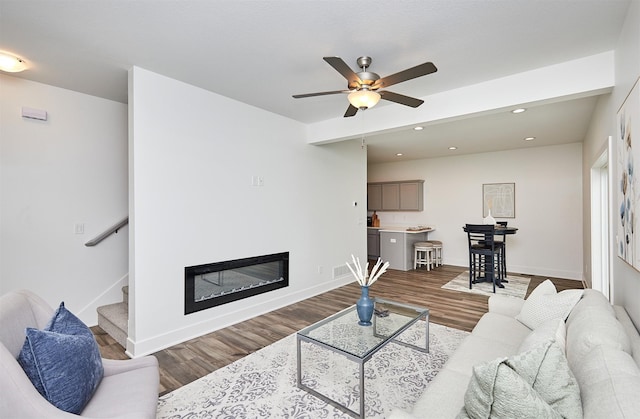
63	361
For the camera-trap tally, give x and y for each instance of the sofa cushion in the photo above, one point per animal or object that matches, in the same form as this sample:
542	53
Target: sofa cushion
536	383
592	327
505	305
553	329
609	382
63	361
447	385
501	329
631	330
476	349
545	303
590	299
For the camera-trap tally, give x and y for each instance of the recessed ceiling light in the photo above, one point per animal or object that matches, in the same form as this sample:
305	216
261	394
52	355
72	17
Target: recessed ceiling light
399	154
529	138
453	147
418	128
11	64
519	110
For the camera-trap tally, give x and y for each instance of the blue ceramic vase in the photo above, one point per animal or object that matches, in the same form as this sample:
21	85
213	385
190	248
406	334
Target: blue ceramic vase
364	307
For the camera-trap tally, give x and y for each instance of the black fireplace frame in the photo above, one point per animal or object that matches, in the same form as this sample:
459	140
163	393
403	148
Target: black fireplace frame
190	272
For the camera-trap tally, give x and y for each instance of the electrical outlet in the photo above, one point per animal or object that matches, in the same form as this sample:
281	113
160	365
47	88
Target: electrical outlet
257	181
79	228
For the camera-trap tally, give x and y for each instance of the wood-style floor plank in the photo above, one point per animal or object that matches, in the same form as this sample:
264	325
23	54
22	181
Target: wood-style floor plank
188	361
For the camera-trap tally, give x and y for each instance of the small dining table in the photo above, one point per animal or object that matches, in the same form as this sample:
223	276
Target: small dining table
503	230
499	230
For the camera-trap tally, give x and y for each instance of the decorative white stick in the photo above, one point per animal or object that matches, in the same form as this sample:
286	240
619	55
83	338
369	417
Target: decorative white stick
362	276
356	263
375	268
380	272
353	272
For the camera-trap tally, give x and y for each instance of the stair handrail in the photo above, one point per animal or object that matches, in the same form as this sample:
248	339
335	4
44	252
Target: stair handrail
113	229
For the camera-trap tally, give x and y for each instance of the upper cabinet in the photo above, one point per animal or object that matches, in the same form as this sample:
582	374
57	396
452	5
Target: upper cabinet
390	196
374	196
395	196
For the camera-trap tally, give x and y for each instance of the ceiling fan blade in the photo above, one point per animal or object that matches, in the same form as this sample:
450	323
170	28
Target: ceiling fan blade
408	74
333	92
351	111
342	68
401	99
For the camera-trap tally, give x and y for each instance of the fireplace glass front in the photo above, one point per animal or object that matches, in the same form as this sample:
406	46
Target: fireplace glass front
219	283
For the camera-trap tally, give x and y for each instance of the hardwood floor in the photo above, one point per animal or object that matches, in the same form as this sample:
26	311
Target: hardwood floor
188	361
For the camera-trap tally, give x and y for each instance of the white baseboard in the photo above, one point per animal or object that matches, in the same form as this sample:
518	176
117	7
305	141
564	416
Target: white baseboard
148	346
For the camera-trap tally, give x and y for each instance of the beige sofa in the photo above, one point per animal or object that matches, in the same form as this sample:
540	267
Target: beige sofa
128	389
602	350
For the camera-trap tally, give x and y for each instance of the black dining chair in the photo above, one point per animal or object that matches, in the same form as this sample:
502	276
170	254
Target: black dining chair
503	242
484	255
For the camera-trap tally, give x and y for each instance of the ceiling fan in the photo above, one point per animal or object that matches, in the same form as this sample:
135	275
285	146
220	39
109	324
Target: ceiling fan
363	86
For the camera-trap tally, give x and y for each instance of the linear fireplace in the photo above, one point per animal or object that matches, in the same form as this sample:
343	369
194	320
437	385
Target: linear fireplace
219	283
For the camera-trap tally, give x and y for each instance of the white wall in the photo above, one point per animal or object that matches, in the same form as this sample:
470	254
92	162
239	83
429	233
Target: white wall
70	169
548	204
625	279
192	157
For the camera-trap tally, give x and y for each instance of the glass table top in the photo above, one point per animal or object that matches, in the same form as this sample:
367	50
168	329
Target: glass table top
342	331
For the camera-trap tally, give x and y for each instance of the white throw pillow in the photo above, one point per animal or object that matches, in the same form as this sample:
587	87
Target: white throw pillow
553	329
545	304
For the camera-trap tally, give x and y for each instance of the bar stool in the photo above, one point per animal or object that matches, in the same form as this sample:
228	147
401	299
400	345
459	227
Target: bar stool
437	252
423	255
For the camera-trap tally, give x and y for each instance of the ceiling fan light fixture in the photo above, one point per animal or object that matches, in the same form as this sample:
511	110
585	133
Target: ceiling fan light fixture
11	64
364	99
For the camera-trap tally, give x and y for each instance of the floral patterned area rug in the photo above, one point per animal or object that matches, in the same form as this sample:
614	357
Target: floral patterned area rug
516	287
263	384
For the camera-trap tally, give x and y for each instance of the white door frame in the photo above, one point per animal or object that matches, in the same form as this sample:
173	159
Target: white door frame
600	249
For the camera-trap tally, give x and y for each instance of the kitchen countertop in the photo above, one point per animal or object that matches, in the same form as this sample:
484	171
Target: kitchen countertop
404	229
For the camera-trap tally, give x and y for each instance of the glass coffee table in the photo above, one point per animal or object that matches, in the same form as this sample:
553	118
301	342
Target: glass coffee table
340	333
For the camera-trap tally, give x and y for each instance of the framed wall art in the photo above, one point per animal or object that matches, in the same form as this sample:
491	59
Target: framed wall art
499	199
627	181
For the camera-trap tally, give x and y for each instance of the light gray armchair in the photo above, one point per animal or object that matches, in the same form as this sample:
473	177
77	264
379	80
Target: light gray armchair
128	389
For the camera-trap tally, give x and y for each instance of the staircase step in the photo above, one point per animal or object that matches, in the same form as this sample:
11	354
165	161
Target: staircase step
114	319
125	295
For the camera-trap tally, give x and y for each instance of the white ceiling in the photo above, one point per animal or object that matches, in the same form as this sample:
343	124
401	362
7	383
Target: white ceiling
262	52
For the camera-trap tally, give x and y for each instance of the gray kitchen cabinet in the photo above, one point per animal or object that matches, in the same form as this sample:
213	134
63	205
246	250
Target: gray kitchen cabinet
411	196
373	243
396	196
390	196
374	196
396	247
